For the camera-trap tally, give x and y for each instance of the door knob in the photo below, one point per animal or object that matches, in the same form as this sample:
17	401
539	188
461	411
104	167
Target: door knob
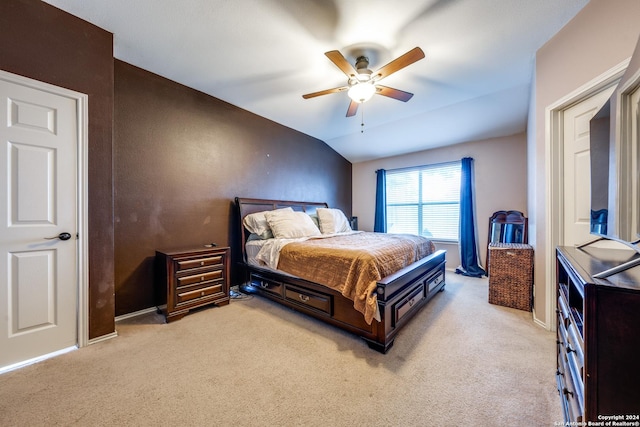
61	236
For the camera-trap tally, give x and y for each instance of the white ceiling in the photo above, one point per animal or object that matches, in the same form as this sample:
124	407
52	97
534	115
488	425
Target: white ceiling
263	55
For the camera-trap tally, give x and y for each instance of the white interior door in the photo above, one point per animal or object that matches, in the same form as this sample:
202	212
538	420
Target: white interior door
38	202
577	168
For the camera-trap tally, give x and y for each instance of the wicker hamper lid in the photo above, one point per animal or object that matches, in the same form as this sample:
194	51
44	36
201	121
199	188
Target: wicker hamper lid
509	246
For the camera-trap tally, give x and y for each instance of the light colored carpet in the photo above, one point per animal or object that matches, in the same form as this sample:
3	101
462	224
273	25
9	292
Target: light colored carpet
461	361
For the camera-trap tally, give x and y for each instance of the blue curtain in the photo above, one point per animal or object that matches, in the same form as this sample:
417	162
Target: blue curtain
469	253
380	221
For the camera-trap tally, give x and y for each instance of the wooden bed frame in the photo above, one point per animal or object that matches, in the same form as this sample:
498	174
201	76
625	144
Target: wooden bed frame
400	295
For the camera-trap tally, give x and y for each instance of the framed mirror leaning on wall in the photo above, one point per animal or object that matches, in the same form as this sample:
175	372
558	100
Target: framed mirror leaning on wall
507	227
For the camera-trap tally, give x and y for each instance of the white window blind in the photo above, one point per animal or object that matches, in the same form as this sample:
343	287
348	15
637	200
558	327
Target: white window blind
425	200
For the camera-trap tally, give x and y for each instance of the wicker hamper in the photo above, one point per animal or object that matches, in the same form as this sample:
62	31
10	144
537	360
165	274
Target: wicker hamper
511	275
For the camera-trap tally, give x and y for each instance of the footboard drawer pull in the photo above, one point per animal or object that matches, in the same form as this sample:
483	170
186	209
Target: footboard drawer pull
433	283
407	304
266	285
309	299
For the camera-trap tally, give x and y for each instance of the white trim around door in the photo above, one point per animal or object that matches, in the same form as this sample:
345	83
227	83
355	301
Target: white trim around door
82	273
554	116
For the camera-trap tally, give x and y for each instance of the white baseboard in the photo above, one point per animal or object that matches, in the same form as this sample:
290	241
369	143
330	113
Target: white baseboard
540	322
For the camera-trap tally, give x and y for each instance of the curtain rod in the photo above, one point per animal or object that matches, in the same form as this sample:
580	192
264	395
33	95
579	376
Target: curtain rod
423	166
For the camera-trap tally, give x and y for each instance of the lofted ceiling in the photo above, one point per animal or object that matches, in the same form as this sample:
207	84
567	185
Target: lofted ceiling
263	55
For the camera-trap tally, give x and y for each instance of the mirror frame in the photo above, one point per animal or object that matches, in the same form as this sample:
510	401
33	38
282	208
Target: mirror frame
504	218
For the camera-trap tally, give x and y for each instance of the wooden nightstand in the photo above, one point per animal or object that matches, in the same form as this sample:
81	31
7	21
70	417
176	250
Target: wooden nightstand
191	278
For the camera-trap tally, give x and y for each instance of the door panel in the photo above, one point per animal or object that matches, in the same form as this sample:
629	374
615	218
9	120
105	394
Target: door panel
32	172
577	168
38	201
31	291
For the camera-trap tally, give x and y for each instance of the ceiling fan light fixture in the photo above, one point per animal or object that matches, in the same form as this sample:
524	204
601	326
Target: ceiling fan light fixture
362	83
361	92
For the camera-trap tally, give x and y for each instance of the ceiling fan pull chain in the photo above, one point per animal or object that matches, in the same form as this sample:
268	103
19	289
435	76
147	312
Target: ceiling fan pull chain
362	119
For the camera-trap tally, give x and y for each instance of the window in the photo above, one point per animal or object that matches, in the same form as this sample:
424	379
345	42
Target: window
424	200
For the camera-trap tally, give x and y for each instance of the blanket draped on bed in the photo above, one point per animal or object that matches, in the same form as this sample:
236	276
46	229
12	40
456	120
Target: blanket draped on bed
353	263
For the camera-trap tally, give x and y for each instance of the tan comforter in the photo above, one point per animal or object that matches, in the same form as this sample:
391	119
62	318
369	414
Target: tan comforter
352	264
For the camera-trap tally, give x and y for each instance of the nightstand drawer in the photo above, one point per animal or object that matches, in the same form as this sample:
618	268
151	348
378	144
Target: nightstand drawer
200	292
197	278
189	264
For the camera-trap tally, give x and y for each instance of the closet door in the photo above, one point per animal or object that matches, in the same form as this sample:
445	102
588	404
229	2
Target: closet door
38	221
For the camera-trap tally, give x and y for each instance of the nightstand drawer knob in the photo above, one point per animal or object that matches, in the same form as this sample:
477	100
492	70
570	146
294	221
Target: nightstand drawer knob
304	298
202	279
202	293
201	262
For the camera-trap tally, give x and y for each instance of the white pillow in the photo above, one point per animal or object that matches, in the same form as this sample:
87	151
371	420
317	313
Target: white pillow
257	224
291	224
332	221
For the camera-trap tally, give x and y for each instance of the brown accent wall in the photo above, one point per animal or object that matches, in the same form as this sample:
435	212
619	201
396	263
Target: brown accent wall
44	43
181	157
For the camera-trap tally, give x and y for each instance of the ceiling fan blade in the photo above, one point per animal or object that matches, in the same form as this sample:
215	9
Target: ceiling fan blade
325	92
398	94
341	62
399	63
353	109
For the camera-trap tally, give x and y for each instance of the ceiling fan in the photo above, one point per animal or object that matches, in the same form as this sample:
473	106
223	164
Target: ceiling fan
362	83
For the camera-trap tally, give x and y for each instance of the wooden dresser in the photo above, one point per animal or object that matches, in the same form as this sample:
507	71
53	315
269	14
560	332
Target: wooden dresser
598	354
191	278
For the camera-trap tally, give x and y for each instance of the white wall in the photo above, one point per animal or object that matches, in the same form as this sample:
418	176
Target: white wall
500	176
600	36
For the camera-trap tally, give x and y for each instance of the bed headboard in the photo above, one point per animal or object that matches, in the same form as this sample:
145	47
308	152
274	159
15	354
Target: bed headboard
247	206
